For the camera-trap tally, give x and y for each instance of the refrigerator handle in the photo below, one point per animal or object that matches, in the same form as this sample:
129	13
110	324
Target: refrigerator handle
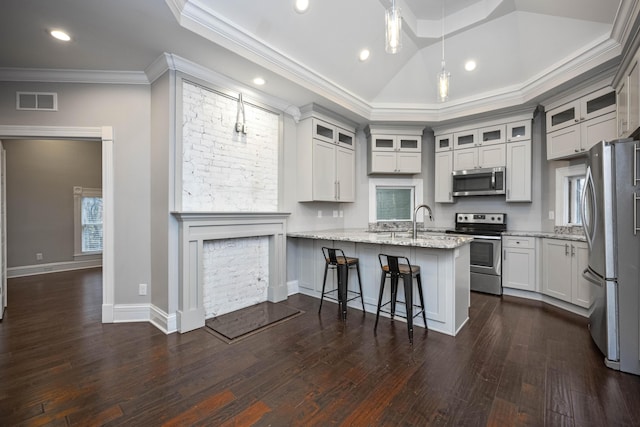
587	274
635	214
589	184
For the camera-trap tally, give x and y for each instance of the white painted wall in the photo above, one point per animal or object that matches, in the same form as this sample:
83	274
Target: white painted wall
127	109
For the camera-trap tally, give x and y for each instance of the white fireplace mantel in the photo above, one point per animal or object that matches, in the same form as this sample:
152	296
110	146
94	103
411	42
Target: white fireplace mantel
198	227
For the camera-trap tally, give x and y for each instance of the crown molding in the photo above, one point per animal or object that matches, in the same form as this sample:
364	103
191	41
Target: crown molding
168	61
73	76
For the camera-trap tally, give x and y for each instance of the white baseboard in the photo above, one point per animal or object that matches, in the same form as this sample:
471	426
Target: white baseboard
54	267
163	321
123	313
547	300
292	287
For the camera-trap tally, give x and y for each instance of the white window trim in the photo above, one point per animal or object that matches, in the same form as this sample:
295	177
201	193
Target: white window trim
394	182
561	190
78	194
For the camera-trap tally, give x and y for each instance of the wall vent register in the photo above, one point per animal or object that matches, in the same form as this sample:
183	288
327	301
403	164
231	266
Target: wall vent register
40	101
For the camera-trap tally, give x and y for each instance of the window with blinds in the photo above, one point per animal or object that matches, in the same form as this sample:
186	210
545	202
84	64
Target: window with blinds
87	221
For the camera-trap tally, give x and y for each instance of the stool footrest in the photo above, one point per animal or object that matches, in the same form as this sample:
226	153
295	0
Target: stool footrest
404	316
351	295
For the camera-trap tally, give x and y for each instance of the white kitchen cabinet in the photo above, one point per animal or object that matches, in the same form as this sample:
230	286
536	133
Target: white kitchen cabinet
326	161
495	134
574	127
488	156
465	139
443	177
562	267
519	131
519	268
395	150
628	101
577	140
518	171
444	142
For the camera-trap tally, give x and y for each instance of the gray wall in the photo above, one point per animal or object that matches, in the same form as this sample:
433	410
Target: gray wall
41	175
127	109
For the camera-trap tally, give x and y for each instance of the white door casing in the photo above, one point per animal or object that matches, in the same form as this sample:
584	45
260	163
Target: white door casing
104	134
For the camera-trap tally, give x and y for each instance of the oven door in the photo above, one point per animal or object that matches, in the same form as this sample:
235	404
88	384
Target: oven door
486	255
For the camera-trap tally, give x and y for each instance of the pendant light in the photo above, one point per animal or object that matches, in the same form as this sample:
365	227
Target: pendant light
443	76
393	26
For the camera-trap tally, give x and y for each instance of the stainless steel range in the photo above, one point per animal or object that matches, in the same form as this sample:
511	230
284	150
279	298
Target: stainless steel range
486	248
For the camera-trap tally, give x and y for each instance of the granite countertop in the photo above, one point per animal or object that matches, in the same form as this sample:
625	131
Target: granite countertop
434	240
548	234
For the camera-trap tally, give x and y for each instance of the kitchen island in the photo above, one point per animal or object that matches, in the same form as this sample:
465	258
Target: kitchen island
443	259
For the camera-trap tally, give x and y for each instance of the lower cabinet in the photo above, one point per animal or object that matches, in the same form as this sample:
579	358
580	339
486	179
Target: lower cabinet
519	266
563	262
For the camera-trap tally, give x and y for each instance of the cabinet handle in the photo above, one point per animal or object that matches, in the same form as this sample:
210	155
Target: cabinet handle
566	249
573	250
338	190
505	254
450	195
576	150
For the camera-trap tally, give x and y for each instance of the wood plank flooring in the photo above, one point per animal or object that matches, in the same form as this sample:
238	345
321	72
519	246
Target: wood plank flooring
515	363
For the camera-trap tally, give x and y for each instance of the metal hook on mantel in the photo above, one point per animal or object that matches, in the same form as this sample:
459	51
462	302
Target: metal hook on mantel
241	126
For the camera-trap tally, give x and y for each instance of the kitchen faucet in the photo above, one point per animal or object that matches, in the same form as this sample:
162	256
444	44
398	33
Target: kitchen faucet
415	217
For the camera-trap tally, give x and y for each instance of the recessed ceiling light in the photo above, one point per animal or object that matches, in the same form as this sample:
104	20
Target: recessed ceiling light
259	81
301	6
470	65
60	35
364	54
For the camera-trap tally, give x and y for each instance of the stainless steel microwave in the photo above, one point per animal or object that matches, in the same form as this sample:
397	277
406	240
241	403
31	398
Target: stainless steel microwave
479	182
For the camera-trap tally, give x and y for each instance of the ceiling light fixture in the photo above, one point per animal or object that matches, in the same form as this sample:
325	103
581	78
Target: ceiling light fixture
259	81
364	55
60	35
470	65
393	26
443	76
301	6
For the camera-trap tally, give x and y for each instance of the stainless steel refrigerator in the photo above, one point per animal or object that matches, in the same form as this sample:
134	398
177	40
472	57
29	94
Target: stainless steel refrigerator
610	219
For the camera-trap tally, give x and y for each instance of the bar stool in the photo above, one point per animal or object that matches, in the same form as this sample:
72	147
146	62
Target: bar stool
395	267
335	259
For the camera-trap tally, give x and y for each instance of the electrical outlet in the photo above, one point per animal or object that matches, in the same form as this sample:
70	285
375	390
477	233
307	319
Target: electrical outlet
335	214
319	214
39	256
552	215
341	214
142	289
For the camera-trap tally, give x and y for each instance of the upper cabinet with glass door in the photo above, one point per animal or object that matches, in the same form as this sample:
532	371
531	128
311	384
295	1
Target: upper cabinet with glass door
595	104
394	149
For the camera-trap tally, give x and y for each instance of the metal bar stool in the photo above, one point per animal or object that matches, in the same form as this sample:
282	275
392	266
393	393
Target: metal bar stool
395	267
335	259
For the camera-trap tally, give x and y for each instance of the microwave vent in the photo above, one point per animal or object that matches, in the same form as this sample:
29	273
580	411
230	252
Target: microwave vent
40	101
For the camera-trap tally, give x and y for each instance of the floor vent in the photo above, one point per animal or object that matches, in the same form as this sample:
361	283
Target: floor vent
41	101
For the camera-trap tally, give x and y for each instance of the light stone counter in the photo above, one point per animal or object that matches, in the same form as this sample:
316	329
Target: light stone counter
550	235
443	260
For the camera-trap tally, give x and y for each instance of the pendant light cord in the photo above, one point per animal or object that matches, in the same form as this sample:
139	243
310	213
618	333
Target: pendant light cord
442	30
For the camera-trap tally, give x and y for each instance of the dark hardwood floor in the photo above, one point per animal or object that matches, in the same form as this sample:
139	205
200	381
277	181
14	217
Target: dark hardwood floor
515	363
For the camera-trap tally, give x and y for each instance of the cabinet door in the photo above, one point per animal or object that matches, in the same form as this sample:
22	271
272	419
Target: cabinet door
383	162
383	143
519	268
519	131
519	171
563	116
492	156
600	102
623	108
581	288
409	162
324	131
443	177
409	144
598	129
324	171
633	81
563	143
345	138
465	159
465	139
492	135
444	143
345	174
557	269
